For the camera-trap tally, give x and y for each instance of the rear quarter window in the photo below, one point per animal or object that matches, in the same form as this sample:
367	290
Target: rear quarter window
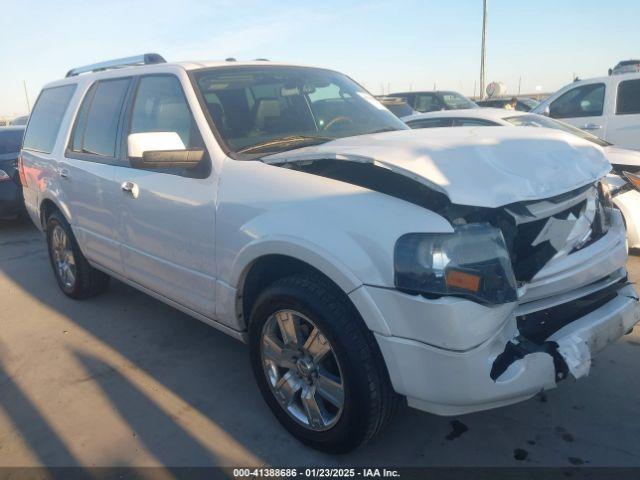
46	118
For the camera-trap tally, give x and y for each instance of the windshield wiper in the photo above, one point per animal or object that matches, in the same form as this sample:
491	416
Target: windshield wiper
297	140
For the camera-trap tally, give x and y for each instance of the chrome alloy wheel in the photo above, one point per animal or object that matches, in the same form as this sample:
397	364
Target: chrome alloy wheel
63	259
302	370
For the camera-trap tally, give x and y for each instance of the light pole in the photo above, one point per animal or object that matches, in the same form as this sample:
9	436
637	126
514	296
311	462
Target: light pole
483	56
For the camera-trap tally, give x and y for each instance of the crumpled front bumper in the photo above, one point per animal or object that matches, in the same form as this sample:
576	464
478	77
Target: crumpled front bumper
448	382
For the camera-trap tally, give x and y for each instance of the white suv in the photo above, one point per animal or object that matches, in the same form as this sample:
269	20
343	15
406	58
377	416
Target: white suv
608	107
361	261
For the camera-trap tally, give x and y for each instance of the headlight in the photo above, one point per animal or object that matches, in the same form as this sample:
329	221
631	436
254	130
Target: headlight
633	178
4	176
472	262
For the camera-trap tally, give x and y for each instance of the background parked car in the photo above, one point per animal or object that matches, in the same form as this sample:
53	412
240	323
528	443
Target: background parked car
524	104
626	66
608	107
434	101
623	182
399	107
20	120
11	204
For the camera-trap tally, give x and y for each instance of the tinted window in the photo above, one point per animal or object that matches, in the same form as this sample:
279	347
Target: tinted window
102	115
10	140
583	101
431	123
46	118
628	97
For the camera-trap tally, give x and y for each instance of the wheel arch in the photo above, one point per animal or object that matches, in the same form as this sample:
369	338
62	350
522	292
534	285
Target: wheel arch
259	265
47	207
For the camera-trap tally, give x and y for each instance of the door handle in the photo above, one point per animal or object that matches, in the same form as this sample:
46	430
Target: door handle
591	126
131	188
63	172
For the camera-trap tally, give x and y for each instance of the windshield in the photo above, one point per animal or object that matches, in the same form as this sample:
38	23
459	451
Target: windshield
455	101
271	109
546	122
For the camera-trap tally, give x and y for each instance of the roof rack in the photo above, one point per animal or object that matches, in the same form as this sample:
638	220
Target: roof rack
144	59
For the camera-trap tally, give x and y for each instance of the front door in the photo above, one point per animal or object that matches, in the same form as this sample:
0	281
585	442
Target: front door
582	107
167	218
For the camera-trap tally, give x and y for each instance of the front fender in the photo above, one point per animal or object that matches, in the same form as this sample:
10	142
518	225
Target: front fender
345	231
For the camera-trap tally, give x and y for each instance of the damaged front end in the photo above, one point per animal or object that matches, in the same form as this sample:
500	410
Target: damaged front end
525	254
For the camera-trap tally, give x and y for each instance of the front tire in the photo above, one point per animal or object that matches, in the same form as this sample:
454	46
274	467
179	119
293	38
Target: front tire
318	366
75	276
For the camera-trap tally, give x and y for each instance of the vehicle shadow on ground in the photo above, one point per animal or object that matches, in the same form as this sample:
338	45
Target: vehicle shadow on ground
210	373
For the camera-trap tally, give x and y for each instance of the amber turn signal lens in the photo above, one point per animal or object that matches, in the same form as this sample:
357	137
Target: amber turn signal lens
463	280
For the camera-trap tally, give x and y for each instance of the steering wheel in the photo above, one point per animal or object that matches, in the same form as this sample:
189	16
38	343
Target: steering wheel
336	120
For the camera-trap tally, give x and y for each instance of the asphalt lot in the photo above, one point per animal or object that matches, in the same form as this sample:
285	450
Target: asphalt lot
123	380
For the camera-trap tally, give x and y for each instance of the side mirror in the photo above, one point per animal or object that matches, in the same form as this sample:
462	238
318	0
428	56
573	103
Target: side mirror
157	150
547	111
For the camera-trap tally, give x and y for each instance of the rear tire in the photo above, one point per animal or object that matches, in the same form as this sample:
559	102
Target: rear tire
75	276
322	312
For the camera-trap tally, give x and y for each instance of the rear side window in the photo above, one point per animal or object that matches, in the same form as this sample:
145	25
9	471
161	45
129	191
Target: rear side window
98	119
46	118
628	97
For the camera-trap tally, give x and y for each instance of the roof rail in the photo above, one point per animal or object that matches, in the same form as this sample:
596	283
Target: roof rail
144	59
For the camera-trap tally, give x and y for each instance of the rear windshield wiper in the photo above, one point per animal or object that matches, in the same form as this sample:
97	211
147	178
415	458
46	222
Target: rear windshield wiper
291	140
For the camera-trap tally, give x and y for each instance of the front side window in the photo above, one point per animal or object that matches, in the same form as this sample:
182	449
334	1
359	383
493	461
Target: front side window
262	110
160	106
583	101
628	101
533	120
46	118
98	119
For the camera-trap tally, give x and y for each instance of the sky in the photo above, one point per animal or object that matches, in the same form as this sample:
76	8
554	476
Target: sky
385	45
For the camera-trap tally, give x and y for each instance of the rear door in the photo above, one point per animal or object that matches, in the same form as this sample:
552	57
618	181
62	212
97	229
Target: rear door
167	217
623	127
583	106
88	171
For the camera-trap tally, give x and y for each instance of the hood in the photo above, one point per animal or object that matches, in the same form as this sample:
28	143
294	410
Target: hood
478	166
622	157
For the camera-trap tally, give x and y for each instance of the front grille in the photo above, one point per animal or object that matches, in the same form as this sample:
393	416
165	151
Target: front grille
531	247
